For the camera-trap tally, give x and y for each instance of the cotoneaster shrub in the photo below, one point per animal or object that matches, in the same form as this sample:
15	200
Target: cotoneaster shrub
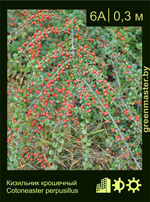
75	102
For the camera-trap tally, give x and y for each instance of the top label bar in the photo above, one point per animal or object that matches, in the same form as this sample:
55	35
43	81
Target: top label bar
114	17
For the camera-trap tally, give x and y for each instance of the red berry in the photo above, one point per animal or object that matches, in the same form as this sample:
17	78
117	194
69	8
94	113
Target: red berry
131	167
89	110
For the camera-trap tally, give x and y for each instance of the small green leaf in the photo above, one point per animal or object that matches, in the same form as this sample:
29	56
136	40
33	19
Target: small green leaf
61	141
88	143
55	135
84	147
51	152
54	144
48	168
98	131
28	144
59	149
50	160
82	124
25	137
55	167
56	158
84	139
84	132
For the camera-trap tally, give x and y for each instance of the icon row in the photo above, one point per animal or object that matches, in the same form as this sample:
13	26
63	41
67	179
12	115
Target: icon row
105	185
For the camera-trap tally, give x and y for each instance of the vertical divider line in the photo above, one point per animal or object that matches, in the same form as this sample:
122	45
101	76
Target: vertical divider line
108	14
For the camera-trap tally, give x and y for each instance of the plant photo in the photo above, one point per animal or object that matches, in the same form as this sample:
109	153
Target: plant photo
74	93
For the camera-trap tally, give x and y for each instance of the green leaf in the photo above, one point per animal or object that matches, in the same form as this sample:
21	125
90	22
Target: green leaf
82	124
25	137
139	71
84	147
59	149
134	66
51	152
61	141
108	52
84	139
55	167
98	131
87	121
56	158
28	144
48	168
50	160
55	135
86	158
62	134
11	158
54	144
88	143
84	131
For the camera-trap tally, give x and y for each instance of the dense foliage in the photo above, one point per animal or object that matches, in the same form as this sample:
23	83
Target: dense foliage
74	93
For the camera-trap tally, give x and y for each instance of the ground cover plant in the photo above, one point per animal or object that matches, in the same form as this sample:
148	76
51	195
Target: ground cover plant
74	93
